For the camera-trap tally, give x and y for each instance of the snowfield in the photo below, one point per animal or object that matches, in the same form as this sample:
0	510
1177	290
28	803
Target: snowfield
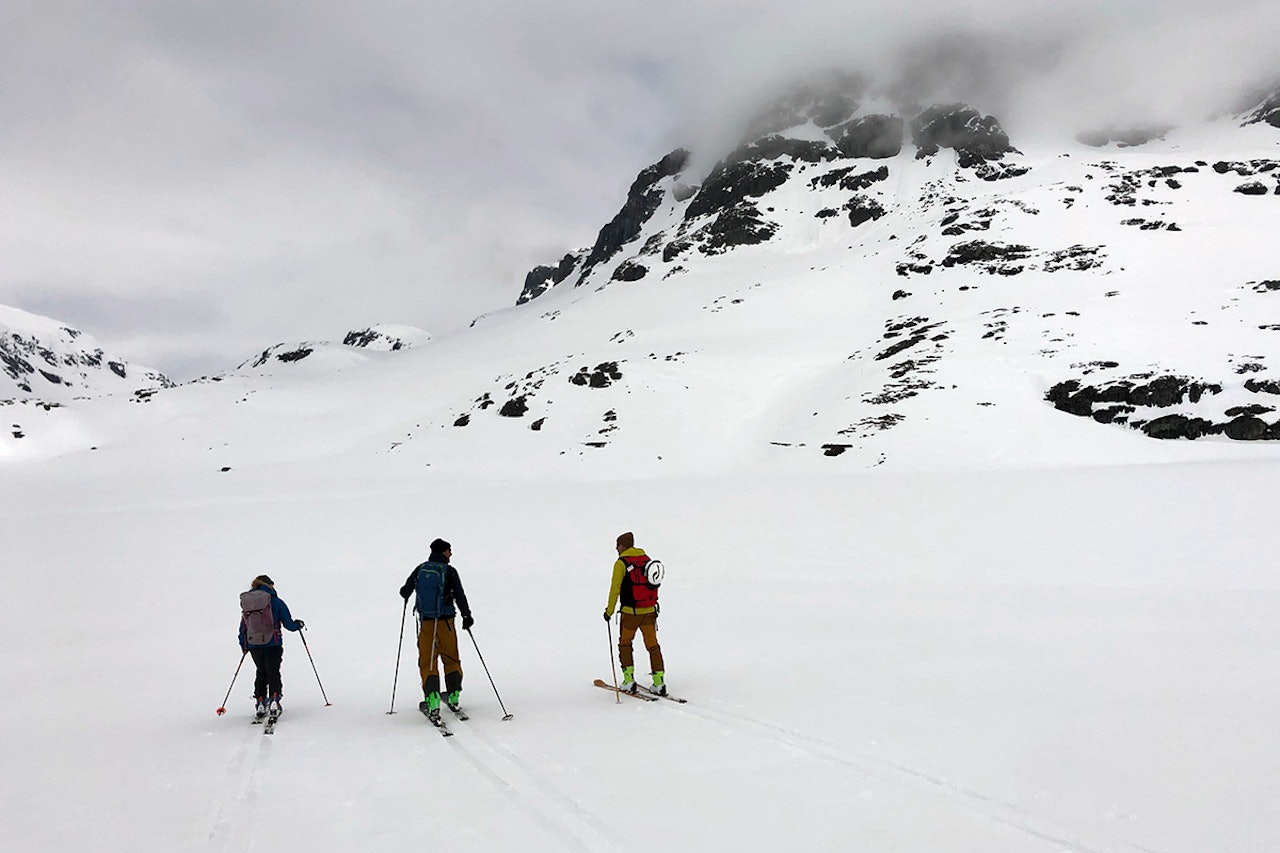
1056	659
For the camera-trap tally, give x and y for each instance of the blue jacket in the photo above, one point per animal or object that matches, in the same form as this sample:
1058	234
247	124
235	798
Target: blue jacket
280	612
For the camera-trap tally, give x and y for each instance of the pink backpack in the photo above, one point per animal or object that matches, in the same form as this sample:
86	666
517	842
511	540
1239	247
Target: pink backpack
259	623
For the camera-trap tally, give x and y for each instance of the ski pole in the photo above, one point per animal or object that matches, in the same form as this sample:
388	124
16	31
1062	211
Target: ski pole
398	651
327	703
612	664
506	715
223	708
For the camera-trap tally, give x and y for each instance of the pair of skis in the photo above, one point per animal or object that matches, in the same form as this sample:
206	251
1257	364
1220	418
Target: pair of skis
640	693
438	721
268	721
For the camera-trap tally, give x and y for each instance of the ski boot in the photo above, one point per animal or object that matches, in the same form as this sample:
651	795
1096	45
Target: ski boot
431	707
274	708
628	680
659	687
259	709
453	699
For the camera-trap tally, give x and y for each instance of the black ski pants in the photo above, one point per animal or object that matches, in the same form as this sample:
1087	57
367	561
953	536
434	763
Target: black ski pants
267	659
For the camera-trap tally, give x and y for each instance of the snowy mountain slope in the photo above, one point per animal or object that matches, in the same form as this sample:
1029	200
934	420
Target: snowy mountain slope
43	359
1051	224
965	317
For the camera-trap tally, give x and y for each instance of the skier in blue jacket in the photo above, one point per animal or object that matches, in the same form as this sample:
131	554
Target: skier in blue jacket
438	587
260	636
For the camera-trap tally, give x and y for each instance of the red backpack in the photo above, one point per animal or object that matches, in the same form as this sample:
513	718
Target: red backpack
644	575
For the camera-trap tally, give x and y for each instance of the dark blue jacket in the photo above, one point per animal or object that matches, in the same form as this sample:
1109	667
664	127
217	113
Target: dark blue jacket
280	612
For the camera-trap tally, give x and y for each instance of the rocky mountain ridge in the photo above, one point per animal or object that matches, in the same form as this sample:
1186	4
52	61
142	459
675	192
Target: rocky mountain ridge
377	338
825	153
47	360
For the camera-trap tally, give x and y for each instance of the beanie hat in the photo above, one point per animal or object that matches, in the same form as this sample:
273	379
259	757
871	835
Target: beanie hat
626	540
438	547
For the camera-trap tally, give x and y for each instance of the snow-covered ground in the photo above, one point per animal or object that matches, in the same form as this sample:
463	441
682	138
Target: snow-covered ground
1056	659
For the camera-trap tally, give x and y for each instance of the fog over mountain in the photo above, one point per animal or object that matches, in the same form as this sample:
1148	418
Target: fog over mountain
190	181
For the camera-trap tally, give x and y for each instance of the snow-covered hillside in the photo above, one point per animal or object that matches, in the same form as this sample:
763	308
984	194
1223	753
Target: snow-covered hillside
852	285
43	359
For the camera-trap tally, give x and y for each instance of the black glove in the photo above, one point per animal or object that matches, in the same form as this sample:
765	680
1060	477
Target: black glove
300	624
607	616
467	622
406	591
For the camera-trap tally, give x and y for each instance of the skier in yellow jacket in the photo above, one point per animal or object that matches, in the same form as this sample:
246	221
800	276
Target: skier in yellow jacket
639	600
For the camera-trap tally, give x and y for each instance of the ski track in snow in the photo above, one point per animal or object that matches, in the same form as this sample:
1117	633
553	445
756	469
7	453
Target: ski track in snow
564	817
577	828
233	822
882	770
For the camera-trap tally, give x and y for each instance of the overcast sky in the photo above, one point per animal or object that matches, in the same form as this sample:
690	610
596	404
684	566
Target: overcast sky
194	181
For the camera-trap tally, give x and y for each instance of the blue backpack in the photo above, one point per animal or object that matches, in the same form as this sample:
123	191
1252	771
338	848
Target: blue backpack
430	604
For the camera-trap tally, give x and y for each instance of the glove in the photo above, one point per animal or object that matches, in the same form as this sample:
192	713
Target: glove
300	623
406	591
467	622
607	616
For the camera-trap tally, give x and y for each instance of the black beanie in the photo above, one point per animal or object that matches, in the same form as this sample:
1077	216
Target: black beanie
438	547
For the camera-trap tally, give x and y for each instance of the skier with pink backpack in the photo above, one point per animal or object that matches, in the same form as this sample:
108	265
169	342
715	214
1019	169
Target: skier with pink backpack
263	614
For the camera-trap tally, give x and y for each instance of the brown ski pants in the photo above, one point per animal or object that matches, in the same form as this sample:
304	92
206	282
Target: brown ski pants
445	638
647	625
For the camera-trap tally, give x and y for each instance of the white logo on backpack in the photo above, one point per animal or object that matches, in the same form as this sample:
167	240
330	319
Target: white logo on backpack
654	572
259	623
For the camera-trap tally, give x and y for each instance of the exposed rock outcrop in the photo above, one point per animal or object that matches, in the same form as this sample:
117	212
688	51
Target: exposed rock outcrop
542	278
642	201
974	137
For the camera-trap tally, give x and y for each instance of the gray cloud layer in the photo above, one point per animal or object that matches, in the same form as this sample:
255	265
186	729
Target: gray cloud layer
193	181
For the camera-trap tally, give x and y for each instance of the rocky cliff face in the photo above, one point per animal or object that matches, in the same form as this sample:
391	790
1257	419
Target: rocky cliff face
822	123
1263	106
